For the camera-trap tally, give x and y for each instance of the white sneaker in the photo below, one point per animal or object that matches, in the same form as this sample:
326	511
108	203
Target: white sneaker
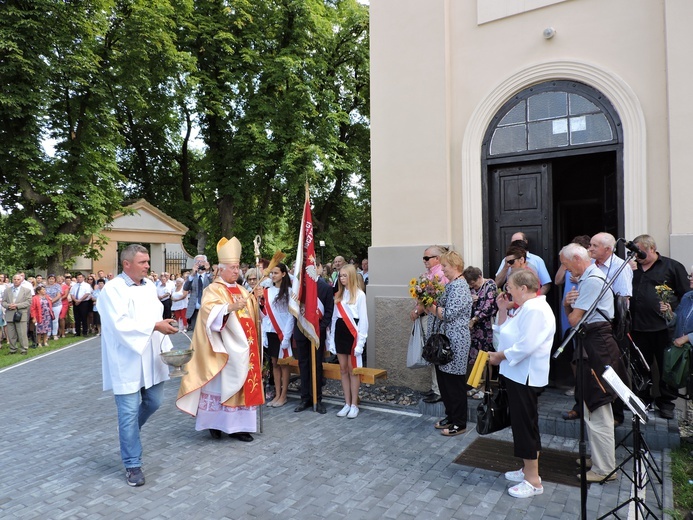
344	411
353	412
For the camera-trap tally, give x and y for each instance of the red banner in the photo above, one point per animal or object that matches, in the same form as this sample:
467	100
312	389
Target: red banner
304	302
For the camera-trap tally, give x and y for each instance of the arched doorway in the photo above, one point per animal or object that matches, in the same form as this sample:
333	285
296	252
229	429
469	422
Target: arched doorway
552	166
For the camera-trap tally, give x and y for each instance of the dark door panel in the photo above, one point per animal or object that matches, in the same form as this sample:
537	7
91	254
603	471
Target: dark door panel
520	201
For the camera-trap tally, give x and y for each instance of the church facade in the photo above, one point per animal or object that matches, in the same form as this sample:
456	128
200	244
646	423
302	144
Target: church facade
552	117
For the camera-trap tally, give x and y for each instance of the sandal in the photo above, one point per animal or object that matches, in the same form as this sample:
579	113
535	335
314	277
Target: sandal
453	430
478	395
471	392
443	423
570	415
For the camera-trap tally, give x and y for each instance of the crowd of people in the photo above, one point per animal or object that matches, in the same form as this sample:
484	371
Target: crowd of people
509	317
244	309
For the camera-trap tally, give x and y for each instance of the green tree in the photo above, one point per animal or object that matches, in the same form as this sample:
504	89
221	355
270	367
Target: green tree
58	204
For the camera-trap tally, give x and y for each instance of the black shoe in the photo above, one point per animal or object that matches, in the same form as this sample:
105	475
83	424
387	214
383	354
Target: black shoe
320	408
303	405
666	414
433	399
241	436
134	477
216	434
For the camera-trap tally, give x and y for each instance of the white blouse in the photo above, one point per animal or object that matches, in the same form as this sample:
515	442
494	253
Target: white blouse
526	340
358	311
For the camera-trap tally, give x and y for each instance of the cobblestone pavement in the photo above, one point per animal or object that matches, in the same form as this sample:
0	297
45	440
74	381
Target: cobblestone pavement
60	459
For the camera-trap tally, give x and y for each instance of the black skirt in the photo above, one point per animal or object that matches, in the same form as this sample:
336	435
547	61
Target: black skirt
343	339
273	344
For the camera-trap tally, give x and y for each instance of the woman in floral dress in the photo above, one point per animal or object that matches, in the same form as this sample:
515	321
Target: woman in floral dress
484	309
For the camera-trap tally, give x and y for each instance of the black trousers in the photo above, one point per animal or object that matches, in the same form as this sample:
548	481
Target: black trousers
453	390
303	347
652	345
524	419
81	312
192	320
167	308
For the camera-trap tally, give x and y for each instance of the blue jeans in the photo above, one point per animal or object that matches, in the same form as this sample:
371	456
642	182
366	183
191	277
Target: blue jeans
132	414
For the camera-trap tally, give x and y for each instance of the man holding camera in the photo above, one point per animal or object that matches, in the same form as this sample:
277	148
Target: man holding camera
196	283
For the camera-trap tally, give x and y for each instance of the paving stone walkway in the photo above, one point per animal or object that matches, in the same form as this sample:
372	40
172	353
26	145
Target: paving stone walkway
60	460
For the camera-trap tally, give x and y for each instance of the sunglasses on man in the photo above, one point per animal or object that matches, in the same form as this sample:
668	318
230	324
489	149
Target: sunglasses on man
427	258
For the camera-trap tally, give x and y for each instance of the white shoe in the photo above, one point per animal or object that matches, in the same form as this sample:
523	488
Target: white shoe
344	411
515	476
353	413
525	490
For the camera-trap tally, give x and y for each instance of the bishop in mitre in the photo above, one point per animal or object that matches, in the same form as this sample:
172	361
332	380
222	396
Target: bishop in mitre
223	388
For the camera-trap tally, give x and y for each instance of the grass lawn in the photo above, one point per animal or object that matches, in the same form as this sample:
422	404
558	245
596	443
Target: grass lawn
681	475
7	359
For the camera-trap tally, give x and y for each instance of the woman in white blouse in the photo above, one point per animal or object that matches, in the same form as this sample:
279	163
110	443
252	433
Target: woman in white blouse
277	330
347	336
524	352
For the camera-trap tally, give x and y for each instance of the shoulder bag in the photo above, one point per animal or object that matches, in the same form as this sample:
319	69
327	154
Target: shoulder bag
437	349
493	413
17	316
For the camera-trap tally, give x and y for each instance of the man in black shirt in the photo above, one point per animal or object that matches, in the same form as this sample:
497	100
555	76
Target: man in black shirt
649	326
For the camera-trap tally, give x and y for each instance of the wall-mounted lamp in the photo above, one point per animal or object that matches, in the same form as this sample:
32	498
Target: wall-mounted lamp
549	33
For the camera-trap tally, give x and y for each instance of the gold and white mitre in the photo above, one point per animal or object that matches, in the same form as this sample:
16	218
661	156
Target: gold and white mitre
229	251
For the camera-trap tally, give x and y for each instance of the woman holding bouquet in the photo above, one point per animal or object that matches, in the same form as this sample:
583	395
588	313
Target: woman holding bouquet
347	336
454	309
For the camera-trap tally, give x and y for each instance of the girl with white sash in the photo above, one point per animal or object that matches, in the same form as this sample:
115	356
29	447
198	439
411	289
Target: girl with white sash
347	336
277	329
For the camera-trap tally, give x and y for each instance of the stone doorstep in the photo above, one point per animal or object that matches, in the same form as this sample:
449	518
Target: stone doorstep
659	434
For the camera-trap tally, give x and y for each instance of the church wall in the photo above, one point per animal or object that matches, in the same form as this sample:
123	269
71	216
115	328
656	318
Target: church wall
433	69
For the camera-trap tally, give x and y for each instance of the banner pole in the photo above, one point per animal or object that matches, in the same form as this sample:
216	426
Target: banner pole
314	376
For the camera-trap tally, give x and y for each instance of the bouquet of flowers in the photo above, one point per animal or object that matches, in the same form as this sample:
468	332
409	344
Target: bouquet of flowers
665	295
426	291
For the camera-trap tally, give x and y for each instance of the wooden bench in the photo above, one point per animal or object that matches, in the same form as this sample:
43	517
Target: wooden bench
331	371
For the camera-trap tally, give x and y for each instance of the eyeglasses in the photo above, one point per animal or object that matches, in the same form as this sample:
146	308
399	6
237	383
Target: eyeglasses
427	258
252	279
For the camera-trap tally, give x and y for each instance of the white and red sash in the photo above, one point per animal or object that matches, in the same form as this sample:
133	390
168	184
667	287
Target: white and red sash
283	352
356	360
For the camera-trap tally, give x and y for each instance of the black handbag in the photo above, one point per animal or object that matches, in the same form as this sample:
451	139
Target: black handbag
17	316
437	349
493	413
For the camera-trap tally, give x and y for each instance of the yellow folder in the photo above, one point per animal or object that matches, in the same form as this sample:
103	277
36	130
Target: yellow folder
478	369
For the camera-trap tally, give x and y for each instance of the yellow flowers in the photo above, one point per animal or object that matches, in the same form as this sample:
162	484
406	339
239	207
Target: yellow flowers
666	295
426	291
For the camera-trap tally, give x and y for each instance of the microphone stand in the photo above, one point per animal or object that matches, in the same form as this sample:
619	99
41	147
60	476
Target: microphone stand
578	332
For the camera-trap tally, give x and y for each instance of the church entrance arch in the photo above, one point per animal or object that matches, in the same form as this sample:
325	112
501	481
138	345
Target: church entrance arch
552	166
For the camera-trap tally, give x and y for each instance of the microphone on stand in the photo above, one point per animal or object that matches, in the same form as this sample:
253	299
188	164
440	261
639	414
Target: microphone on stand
631	246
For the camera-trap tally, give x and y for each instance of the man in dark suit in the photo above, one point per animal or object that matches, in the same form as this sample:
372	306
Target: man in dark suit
303	347
195	284
17	298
